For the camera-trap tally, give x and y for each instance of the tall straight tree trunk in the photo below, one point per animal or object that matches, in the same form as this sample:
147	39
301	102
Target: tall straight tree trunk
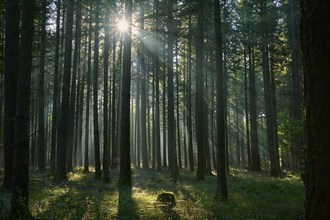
55	90
41	112
207	155
12	17
238	144
157	70
106	144
170	95
20	191
220	108
138	123
189	100
316	54
120	60
114	150
125	160
75	69
247	121
296	87
89	74
80	108
63	133
272	146
185	73
178	106
255	156
200	94
212	115
95	96
165	144
143	95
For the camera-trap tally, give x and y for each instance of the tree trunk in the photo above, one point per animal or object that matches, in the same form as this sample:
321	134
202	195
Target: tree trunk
89	73
170	95
272	146
95	95
12	18
114	152
157	70
316	54
189	120
106	144
178	106
63	133
41	112
143	95
220	108
125	160
296	87
247	120
200	94
55	90
20	190
75	69
255	156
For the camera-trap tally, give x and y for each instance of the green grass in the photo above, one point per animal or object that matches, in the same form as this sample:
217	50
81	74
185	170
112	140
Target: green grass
251	196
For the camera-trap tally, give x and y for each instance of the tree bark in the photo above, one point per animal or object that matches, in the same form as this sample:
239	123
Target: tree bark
157	70
143	75
200	94
95	95
255	156
55	90
315	32
269	99
106	134
220	108
12	18
125	160
41	111
20	191
63	133
89	73
170	95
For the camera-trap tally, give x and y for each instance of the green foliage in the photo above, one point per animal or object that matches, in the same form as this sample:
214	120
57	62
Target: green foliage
251	196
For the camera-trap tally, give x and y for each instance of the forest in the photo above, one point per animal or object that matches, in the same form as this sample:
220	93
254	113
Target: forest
164	109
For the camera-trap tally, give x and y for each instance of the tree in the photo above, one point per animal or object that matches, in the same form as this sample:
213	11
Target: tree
296	84
170	95
10	80
200	93
20	191
143	94
125	160
220	108
63	132
41	112
255	156
75	69
55	89
189	99
106	134
95	95
89	73
315	30
157	71
269	97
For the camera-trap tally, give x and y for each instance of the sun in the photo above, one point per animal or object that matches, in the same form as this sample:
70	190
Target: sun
122	25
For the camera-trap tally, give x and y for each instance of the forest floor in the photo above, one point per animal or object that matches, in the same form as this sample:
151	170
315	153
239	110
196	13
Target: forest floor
251	196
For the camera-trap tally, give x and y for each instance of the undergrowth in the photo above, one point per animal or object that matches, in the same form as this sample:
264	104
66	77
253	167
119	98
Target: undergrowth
251	196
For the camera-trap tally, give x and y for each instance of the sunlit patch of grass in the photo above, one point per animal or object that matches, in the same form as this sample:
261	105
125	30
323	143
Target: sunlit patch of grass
146	204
